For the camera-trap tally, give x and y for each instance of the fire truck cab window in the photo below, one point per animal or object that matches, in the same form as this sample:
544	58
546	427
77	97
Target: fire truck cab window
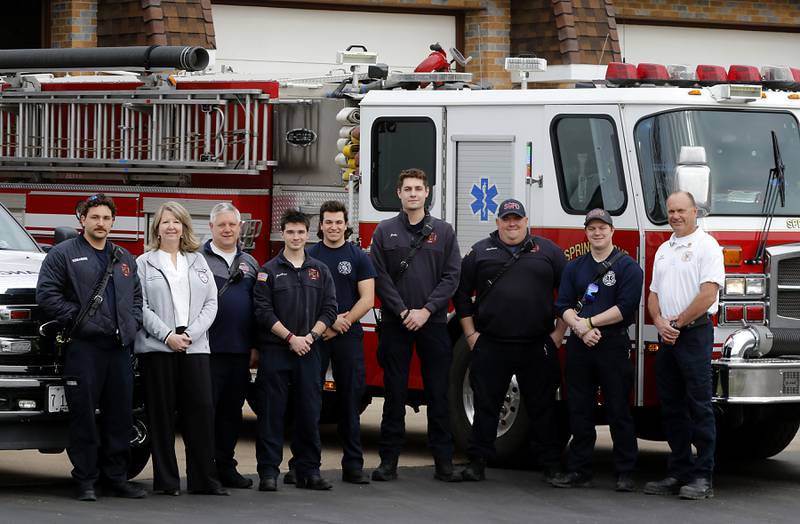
739	154
400	143
588	164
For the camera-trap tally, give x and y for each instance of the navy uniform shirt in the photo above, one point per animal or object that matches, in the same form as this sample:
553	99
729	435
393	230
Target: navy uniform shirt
519	306
297	297
621	287
349	265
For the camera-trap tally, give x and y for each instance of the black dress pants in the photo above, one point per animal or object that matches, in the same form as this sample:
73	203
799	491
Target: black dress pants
99	375
180	382
230	377
433	346
606	365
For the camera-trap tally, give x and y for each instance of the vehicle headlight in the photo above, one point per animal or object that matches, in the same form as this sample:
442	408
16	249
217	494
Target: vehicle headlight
734	286
755	285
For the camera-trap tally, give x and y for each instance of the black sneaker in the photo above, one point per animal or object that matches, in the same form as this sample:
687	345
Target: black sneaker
625	483
573	479
666	486
698	489
475	470
386	471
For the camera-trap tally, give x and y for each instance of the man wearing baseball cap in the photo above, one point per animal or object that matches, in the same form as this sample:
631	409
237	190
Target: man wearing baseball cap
598	299
512	274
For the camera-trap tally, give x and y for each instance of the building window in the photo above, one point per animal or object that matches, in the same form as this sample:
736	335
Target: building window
588	164
400	143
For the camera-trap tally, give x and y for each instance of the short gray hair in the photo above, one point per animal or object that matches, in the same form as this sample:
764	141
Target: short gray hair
225	207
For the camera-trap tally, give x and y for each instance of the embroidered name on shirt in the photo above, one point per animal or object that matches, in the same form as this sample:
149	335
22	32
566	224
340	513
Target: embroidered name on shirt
279	275
80	259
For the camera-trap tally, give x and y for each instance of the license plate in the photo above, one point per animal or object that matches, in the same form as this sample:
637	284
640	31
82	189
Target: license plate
56	399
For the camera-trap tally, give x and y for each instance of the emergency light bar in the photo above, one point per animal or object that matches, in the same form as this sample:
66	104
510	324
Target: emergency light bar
430	77
736	92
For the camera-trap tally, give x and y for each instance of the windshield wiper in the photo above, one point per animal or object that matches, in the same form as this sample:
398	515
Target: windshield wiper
776	189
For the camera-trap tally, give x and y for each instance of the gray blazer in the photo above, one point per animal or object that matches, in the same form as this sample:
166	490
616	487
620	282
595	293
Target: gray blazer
159	312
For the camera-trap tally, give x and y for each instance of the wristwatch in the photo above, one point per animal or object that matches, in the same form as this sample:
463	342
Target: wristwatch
673	324
316	336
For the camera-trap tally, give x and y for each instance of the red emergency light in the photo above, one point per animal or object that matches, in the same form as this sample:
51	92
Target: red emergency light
743	74
711	74
734	313
652	73
20	314
620	73
754	313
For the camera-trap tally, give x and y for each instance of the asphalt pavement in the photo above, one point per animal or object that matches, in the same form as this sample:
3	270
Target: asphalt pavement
37	488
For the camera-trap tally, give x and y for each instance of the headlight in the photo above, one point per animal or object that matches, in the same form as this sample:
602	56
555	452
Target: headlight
734	286
755	286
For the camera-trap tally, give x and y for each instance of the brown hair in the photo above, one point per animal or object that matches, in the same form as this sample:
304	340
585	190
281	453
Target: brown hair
412	173
189	241
94	201
333	206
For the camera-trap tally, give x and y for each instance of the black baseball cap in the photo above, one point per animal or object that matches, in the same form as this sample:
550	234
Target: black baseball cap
598	214
511	207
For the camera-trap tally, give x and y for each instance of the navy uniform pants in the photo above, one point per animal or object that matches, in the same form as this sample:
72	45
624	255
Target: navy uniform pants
99	375
279	367
346	356
230	377
492	364
606	365
683	378
435	353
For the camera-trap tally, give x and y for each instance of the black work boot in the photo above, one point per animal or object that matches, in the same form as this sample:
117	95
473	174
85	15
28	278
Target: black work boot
667	486
475	470
573	479
697	489
386	471
290	477
444	470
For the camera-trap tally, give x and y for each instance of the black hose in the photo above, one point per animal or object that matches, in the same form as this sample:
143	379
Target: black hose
136	57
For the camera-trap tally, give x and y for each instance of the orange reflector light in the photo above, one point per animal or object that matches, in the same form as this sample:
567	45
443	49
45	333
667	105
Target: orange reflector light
19	314
329	385
744	74
621	73
652	347
794	96
695	92
734	313
732	255
711	74
755	313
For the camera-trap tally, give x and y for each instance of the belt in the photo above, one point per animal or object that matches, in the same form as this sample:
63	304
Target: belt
613	331
700	321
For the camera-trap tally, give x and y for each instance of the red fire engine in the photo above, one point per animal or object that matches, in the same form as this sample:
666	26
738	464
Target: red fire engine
623	143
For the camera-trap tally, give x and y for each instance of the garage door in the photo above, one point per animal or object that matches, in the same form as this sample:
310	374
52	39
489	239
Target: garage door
282	42
682	45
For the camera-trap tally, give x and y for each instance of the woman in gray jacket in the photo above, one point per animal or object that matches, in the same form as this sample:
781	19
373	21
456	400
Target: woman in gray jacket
180	303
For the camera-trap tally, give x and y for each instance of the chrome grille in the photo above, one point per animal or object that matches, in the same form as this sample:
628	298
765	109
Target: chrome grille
789	272
789	304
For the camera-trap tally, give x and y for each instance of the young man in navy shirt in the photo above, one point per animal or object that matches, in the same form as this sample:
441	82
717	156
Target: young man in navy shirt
598	308
354	278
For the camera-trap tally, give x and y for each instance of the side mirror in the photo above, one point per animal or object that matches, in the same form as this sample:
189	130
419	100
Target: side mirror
693	175
63	233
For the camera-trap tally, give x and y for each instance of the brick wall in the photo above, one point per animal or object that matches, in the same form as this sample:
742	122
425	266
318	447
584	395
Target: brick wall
769	13
487	37
73	23
155	22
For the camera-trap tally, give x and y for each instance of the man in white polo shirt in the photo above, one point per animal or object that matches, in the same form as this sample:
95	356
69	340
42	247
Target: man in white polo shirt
687	274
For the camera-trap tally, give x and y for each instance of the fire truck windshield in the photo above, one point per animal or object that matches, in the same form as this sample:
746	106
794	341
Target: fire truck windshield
13	236
739	153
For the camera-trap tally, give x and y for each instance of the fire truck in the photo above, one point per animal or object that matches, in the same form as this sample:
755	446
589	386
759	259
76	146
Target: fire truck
622	143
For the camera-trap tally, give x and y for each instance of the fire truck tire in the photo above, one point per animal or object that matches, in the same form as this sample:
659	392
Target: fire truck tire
140	446
756	440
514	426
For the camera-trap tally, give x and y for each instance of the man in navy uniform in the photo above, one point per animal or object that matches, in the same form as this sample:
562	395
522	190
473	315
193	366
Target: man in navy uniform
687	273
295	303
230	336
97	362
598	299
415	291
511	329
